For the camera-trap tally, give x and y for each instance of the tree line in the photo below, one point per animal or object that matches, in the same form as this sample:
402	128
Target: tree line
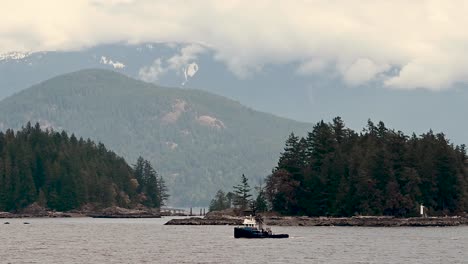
62	172
335	171
240	199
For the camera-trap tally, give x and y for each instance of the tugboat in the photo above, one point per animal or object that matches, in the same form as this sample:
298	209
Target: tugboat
253	228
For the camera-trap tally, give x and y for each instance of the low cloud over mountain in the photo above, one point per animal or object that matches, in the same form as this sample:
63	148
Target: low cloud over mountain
401	44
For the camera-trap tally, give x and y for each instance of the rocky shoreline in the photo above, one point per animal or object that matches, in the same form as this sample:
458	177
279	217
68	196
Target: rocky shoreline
52	214
205	221
369	221
117	212
34	211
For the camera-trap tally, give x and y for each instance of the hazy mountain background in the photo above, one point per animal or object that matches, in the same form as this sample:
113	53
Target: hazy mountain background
281	89
198	141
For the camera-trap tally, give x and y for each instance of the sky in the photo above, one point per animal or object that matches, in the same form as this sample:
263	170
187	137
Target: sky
418	44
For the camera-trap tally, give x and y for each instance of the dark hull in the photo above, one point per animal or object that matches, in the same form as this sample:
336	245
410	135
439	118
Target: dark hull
240	232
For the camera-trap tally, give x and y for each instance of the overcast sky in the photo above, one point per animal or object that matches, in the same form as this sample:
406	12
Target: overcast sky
405	44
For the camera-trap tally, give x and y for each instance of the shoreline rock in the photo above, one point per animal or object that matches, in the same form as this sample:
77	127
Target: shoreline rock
35	211
205	221
47	214
367	221
118	212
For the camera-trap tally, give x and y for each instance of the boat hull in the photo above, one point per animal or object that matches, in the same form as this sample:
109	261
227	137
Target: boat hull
240	232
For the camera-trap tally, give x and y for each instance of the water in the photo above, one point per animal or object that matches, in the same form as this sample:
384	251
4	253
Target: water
87	240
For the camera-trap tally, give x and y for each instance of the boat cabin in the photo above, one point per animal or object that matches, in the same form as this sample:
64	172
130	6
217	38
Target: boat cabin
249	222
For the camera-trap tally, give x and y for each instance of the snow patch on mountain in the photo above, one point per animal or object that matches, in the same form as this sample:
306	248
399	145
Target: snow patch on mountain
15	55
107	61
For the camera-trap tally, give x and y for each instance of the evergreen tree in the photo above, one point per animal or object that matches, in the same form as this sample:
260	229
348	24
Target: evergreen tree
259	205
150	185
219	202
162	191
242	194
138	171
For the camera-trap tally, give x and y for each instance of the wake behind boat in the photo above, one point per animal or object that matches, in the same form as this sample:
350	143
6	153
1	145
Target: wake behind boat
253	228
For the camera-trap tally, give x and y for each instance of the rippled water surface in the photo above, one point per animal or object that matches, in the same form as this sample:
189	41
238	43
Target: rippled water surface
87	240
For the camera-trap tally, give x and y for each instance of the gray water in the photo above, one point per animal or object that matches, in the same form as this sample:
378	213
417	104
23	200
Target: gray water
87	240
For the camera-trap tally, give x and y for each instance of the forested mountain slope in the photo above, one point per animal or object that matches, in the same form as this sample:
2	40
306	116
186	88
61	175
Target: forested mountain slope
198	141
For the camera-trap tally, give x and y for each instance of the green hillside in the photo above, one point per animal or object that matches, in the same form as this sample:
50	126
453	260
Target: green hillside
62	172
198	141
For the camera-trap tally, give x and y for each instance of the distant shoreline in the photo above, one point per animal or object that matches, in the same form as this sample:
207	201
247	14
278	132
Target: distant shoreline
363	221
369	221
110	212
4	215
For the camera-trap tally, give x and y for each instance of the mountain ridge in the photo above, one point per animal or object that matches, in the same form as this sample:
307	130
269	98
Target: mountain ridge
199	141
281	89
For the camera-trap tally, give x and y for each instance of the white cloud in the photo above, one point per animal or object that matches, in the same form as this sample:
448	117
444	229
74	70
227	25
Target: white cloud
187	54
190	71
152	73
423	38
112	2
311	66
181	63
363	70
115	64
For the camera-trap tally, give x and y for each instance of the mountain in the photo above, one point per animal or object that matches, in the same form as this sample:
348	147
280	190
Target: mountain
199	142
284	89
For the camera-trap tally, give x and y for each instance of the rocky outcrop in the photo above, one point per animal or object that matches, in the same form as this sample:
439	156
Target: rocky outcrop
118	212
35	210
375	221
205	221
178	108
223	214
210	121
51	214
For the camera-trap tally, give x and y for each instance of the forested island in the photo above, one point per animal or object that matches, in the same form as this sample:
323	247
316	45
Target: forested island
337	172
58	172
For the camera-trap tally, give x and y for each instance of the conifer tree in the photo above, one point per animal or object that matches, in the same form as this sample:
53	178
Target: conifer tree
219	202
162	191
242	194
260	205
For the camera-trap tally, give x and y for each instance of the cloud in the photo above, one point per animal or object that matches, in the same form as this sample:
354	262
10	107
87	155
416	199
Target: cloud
112	2
179	63
153	72
115	64
363	70
359	39
187	55
312	66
